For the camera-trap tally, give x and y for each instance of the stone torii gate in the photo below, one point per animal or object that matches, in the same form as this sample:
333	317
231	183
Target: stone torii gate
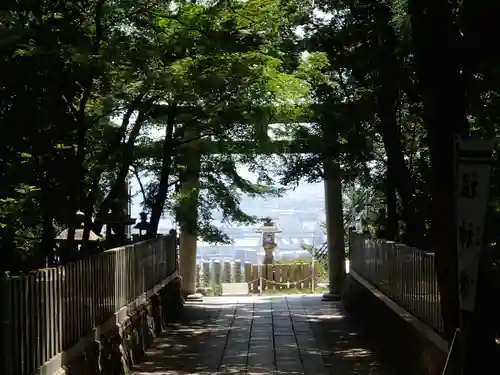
327	145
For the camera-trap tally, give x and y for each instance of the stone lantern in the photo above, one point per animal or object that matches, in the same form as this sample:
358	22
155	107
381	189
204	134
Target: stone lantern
143	224
67	253
116	220
268	229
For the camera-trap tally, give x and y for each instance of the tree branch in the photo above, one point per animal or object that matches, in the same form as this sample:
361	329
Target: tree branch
132	107
135	171
87	88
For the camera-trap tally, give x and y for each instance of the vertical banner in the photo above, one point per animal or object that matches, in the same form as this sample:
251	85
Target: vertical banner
474	161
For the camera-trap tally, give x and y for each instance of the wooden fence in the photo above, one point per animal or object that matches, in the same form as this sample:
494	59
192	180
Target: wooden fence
404	274
47	311
211	274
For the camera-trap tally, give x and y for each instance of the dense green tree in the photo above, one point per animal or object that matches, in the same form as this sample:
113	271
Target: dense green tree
94	92
96	75
407	70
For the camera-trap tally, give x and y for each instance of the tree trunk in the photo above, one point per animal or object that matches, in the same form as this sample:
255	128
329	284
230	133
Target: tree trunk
81	124
167	157
438	72
117	187
478	24
100	167
48	239
392	211
8	253
388	95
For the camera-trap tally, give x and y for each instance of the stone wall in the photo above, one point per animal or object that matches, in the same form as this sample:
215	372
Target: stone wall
119	347
406	342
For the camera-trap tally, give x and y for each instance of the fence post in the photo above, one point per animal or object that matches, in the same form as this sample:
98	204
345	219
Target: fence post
226	272
217	274
236	274
6	333
207	274
198	277
248	276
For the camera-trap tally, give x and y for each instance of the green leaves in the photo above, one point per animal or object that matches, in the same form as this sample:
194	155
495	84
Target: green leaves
72	73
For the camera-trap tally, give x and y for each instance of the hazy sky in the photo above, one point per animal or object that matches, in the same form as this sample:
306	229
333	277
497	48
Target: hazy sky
314	191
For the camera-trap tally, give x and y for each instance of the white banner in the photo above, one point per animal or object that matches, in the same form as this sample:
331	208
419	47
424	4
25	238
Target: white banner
473	184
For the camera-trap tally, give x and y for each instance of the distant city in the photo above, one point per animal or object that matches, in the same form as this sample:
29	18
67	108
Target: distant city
298	213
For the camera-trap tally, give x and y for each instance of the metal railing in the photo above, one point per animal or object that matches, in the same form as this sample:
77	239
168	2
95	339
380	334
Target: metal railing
404	274
47	311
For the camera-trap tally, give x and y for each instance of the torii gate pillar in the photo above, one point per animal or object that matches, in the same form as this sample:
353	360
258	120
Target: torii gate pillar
334	228
187	217
187	264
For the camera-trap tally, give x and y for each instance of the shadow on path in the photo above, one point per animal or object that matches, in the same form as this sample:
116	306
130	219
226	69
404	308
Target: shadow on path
261	335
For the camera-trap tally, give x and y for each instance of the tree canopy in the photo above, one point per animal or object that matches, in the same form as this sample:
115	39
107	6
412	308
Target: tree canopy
95	92
87	83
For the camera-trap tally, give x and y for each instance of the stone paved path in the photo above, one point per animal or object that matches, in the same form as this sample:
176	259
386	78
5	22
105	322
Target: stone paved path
261	335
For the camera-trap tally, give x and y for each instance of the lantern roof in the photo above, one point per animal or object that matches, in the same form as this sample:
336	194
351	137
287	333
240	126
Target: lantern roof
268	226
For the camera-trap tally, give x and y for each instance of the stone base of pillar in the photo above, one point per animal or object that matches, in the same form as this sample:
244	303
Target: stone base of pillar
193	297
332	297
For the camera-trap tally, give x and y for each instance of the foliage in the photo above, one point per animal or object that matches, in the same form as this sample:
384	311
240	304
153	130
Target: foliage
395	72
99	76
94	92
